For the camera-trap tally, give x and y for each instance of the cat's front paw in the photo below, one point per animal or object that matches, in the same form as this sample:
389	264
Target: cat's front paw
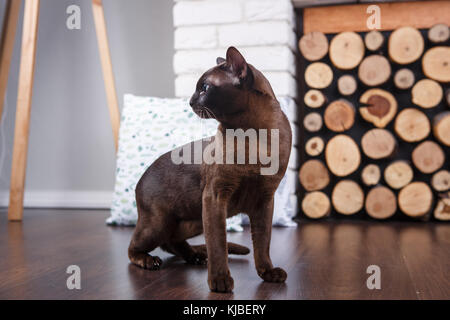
151	263
221	283
274	275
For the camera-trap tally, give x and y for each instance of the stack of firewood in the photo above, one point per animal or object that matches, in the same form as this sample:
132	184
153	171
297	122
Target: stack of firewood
377	124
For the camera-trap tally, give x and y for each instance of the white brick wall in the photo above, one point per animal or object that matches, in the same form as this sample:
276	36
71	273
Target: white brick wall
188	37
189	13
195	61
273	58
260	10
263	30
264	33
185	84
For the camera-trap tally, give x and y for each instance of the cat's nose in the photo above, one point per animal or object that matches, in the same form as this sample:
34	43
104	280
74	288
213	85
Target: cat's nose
191	101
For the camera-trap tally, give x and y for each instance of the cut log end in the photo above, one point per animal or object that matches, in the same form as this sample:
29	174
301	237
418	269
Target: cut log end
347	197
374	40
380	107
442	210
371	175
405	45
342	155
415	200
381	203
318	75
314	98
347	85
314	175
439	33
374	70
436	63
398	174
313	46
339	116
316	205
404	79
441	181
428	157
346	50
427	93
441	128
412	125
378	143
314	146
313	122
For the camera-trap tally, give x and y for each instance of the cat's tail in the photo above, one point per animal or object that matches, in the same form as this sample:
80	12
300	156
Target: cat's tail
233	248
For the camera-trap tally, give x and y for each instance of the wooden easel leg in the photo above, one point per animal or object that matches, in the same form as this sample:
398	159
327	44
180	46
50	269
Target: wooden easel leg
108	75
25	90
7	45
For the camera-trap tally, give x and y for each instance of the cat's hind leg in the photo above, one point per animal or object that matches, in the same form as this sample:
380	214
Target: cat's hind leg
180	247
147	236
195	254
138	251
187	252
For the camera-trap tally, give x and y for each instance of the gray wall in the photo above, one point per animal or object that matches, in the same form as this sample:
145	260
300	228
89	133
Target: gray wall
71	145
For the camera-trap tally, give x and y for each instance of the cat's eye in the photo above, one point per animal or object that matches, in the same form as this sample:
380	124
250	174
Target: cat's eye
205	87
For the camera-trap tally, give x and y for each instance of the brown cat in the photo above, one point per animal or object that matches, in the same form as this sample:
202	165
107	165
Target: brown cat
179	201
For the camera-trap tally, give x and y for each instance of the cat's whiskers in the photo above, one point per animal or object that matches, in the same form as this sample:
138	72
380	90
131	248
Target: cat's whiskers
210	113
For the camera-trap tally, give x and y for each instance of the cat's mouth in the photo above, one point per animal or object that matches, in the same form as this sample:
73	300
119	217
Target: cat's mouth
204	113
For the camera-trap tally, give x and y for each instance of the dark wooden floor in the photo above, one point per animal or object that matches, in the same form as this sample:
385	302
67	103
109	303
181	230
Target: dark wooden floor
324	260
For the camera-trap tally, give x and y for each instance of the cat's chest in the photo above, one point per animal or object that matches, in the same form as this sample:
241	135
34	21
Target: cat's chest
250	194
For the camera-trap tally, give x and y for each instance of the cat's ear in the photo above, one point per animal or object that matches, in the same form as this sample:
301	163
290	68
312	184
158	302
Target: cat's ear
219	60
237	62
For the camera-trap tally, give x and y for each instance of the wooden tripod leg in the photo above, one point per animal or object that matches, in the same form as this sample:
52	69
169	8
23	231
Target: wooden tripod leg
7	45
108	75
25	90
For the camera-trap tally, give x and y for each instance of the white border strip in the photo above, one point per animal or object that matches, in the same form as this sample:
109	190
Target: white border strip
63	199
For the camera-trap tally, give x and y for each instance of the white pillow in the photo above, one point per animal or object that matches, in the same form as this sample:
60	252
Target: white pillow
151	127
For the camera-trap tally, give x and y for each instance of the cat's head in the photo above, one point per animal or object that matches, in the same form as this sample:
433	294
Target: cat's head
224	90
